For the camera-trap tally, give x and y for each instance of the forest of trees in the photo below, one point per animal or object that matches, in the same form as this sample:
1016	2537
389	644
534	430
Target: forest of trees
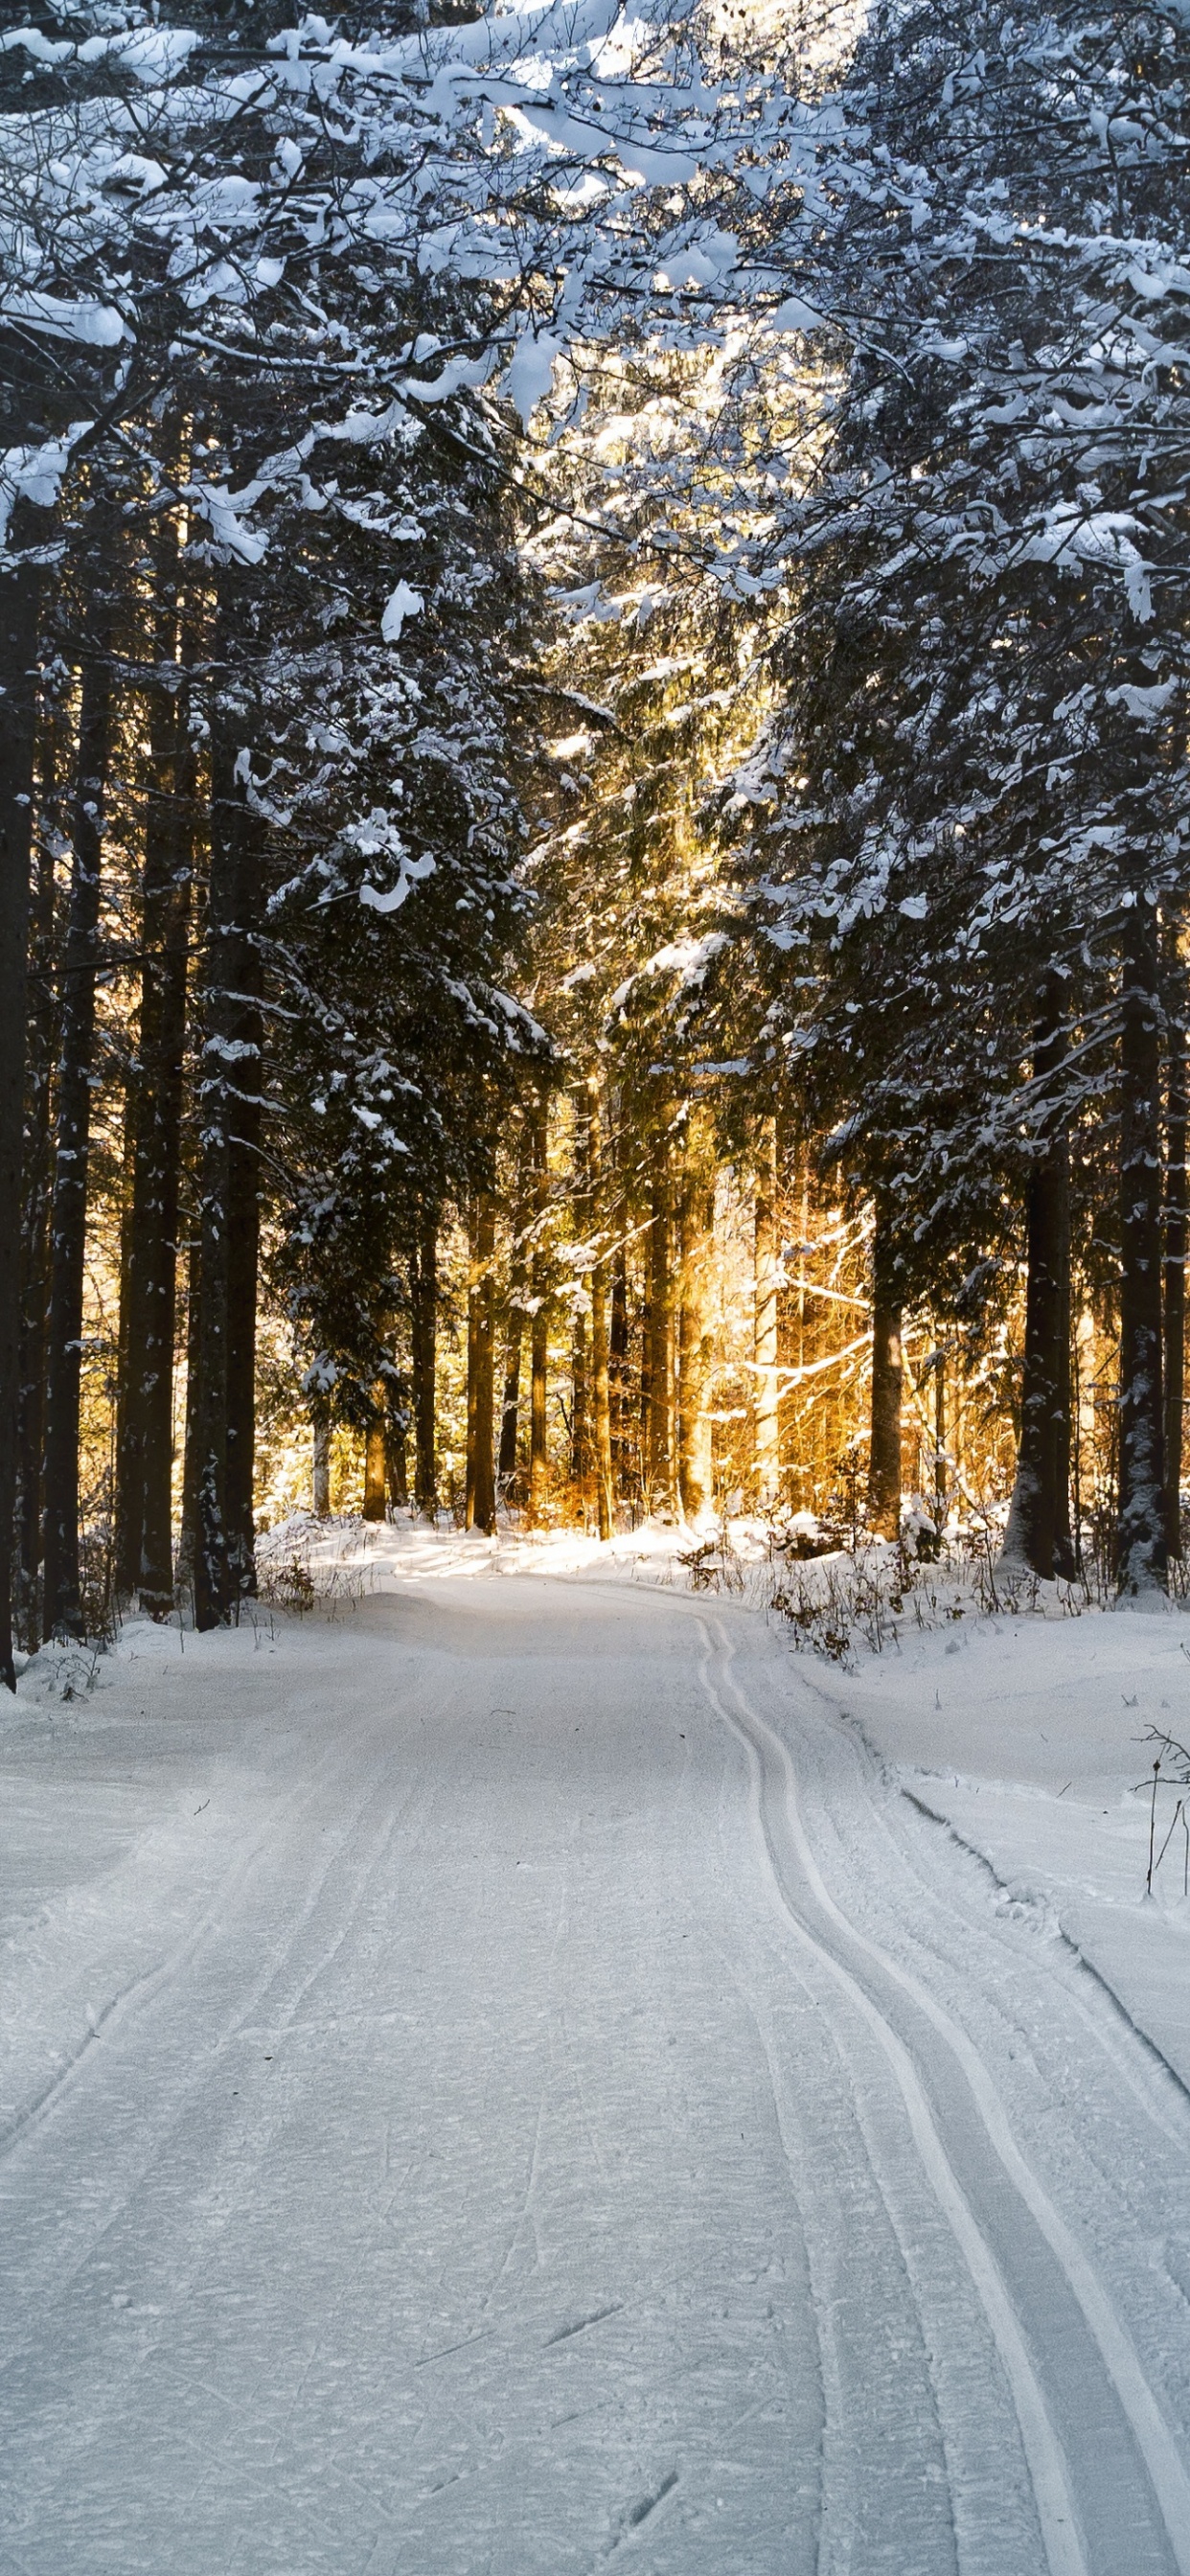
593	779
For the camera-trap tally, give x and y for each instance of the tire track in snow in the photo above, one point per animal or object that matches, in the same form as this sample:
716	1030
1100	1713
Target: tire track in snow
1066	2544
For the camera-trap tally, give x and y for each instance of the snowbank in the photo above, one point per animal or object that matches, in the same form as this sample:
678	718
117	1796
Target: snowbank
1028	1738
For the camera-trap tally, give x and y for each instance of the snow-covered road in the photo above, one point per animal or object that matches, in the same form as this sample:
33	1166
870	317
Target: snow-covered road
506	2084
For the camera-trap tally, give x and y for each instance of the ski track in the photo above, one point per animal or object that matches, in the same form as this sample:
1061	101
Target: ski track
585	2117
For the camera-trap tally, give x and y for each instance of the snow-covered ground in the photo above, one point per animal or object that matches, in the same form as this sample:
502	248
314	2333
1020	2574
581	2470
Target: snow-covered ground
498	2079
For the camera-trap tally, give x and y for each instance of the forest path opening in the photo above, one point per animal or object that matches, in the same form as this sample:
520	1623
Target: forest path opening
432	2144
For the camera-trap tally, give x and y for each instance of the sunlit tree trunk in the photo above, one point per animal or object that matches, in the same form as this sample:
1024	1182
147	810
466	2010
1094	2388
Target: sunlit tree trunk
538	1338
376	1457
481	1336
20	608
660	1327
1174	1282
694	1344
764	1322
618	1364
1141	1555
884	1455
1038	1532
601	1433
62	1607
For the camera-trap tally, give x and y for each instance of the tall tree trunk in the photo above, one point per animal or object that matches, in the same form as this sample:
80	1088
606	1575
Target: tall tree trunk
228	1089
884	1455
601	1436
618	1362
20	609
660	1336
694	1460
579	1436
376	1456
1038	1533
1141	1558
423	1300
244	1177
764	1323
515	1335
397	1460
188	1531
144	1488
511	1401
1174	1298
538	1335
42	1045
481	1370
321	1467
62	1607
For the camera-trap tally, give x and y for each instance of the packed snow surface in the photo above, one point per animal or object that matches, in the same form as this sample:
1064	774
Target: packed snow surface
504	2079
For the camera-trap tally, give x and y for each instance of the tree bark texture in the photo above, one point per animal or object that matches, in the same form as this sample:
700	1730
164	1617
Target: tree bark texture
617	1357
601	1436
481	1373
42	1040
376	1456
144	1537
1038	1533
660	1327
1141	1556
62	1609
229	1094
320	1469
694	1354
884	1455
1174	1275
538	1337
20	605
764	1324
423	1300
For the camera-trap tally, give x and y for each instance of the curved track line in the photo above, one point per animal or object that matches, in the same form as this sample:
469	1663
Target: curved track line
1170	2483
1056	2510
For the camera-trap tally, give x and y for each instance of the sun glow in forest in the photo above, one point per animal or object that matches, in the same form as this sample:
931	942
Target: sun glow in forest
594	808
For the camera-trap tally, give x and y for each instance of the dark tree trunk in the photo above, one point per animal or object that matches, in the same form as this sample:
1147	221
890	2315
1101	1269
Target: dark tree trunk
42	1045
144	1538
229	1089
601	1443
515	1337
1174	1298
243	1263
20	606
481	1358
398	1462
321	1468
511	1402
1038	1533
618	1365
660	1338
188	1532
764	1320
538	1338
62	1606
884	1456
244	1180
423	1298
694	1459
1141	1557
